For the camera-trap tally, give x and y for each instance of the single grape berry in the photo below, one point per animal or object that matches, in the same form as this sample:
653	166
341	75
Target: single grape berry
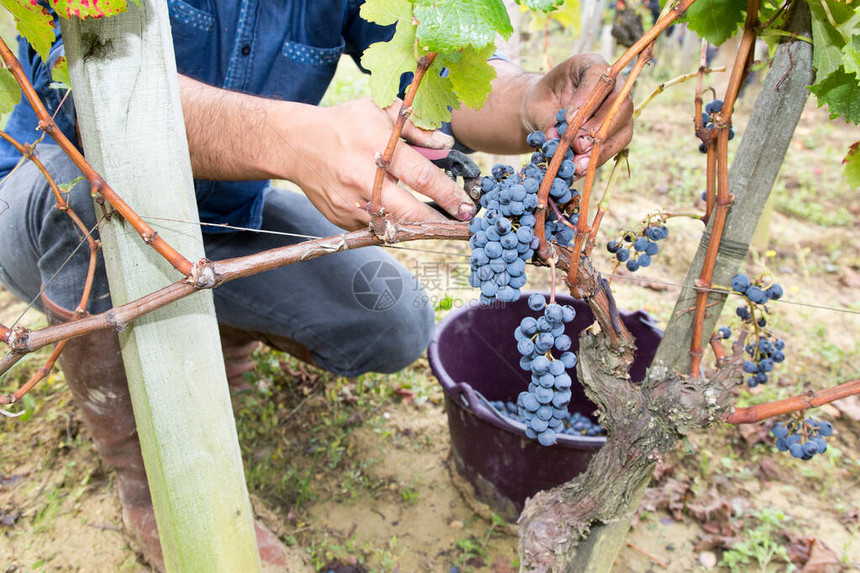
740	283
536	139
537	302
715	106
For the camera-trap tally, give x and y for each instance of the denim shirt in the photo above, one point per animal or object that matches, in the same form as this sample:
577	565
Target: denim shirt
283	49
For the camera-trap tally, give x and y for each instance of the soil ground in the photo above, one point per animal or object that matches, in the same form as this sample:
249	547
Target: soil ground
359	472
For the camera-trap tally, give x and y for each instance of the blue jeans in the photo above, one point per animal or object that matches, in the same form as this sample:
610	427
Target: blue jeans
356	311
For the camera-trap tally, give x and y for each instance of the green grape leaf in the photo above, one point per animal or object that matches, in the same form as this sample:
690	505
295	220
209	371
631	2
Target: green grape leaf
385	12
852	166
827	41
387	61
841	92
541	5
60	74
88	8
716	20
470	74
34	23
446	25
66	187
851	56
569	15
29	407
10	92
434	99
845	17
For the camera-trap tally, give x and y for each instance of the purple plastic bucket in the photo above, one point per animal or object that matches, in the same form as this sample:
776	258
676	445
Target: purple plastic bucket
474	355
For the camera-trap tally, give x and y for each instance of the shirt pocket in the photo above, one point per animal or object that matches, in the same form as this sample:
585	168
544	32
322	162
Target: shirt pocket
192	24
302	72
197	15
311	55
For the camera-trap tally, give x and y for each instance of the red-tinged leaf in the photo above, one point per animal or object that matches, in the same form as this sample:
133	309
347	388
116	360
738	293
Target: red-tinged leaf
60	73
852	166
34	23
88	8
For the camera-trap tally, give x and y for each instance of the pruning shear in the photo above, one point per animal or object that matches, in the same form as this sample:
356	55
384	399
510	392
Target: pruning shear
455	164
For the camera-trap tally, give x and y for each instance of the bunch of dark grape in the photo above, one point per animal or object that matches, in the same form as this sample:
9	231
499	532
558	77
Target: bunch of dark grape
636	250
544	405
714	107
575	424
560	192
559	231
763	355
764	349
802	438
499	254
503	239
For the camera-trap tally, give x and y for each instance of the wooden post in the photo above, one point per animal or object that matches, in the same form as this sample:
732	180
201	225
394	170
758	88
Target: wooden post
760	155
127	99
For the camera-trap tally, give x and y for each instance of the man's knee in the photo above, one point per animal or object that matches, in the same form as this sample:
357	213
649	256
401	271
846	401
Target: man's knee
49	251
407	339
387	341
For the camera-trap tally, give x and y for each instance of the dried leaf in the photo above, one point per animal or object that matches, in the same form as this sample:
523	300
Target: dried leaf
711	541
502	565
753	433
661	470
768	470
798	548
6	481
850	407
849	278
849	516
670	496
822	559
711	506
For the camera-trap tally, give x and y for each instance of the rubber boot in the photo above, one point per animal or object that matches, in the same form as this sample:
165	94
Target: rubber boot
238	344
93	368
237	347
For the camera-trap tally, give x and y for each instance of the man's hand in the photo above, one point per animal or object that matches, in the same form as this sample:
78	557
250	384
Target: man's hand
521	103
567	86
334	165
329	152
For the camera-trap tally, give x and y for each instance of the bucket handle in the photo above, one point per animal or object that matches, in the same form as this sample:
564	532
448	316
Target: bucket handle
466	395
470	398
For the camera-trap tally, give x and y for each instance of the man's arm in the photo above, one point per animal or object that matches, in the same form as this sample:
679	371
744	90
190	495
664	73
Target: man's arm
522	102
328	152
